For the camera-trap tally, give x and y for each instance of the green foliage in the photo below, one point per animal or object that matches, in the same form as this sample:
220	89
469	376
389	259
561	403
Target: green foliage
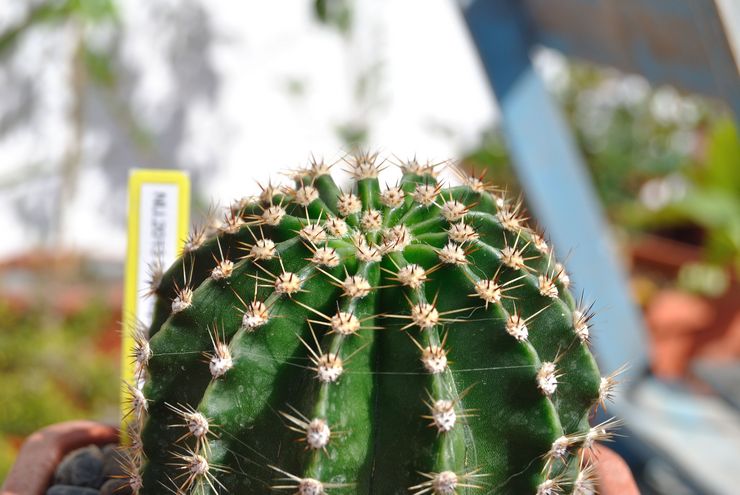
421	338
711	199
336	13
88	12
51	371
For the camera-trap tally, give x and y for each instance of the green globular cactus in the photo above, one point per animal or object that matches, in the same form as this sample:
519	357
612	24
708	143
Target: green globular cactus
408	339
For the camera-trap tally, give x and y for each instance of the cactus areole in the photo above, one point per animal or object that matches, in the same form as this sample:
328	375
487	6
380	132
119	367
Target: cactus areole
412	339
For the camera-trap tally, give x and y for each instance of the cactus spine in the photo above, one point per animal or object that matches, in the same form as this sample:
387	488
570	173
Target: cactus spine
414	339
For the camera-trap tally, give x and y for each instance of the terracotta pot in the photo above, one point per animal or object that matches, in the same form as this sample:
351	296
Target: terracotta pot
684	326
42	451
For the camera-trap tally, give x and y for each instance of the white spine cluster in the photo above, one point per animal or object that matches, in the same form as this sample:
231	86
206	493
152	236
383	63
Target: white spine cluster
434	359
267	193
221	361
318	434
288	283
329	368
547	287
273	215
585	482
306	195
452	254
540	244
195	239
462	232
138	402
336	227
444	416
547	378
367	253
476	184
356	286
183	300
517	328
513	258
232	223
364	166
313	232
453	210
580	324
263	249
559	447
348	204
371	221
345	323
563	277
509	218
548	487
445	483
489	291
425	194
142	354
223	270
256	315
392	197
416	168
198	425
396	238
319	168
412	276
310	486
424	315
197	465
326	256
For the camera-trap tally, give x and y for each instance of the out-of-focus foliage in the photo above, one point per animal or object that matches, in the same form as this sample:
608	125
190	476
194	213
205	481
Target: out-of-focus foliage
660	161
336	13
366	70
67	72
85	12
709	198
52	369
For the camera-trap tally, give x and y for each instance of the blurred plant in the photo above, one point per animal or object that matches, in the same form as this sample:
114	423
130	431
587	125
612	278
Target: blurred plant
364	66
42	376
336	13
706	195
107	123
703	278
88	64
660	161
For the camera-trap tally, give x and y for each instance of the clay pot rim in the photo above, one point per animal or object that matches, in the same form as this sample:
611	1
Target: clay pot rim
44	449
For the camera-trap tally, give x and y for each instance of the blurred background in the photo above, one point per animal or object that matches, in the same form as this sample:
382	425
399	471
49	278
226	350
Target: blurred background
236	91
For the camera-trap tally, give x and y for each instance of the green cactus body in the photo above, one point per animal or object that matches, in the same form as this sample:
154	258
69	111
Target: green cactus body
416	339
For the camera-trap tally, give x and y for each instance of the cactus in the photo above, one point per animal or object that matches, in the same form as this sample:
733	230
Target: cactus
409	339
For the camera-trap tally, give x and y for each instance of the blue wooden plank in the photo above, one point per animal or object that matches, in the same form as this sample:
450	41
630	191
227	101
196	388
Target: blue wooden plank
555	179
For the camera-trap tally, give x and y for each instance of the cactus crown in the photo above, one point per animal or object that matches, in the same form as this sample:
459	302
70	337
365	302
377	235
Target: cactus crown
413	339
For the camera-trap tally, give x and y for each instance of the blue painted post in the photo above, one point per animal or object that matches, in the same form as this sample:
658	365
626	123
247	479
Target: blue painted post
555	179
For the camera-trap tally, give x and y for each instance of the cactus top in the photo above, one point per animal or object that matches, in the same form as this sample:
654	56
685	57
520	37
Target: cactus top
415	339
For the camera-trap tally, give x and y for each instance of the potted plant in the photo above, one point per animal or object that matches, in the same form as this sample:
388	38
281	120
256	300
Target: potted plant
689	251
408	339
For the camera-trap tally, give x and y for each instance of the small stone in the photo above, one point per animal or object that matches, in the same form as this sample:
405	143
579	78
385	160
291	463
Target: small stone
113	459
116	487
82	467
71	490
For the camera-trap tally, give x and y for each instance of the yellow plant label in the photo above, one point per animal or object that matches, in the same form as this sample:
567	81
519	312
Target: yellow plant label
158	220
